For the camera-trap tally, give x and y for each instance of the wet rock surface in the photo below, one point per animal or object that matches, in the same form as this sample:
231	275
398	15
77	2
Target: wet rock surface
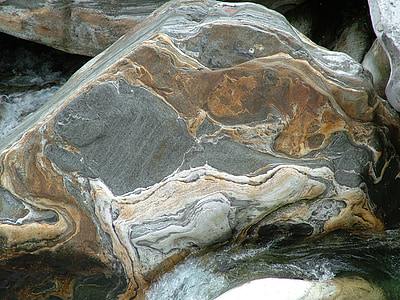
210	123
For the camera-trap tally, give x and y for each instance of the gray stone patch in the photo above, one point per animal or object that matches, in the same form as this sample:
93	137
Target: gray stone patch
350	162
207	128
11	208
126	136
66	160
15	212
321	211
41	216
195	157
235	158
236	47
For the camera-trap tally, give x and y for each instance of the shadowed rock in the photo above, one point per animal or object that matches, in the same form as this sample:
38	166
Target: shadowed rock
206	124
338	25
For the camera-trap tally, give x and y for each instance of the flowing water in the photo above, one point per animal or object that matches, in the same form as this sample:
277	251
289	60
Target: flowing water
30	74
372	256
15	107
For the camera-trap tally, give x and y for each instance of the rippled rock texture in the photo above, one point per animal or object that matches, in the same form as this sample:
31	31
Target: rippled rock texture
212	122
80	27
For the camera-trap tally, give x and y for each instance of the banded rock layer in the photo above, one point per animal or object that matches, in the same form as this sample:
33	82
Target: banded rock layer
208	124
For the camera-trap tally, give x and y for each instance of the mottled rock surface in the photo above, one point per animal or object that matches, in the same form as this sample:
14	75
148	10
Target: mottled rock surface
80	27
211	122
385	17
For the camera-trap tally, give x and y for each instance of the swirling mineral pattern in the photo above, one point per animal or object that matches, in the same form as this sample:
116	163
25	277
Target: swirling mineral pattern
204	125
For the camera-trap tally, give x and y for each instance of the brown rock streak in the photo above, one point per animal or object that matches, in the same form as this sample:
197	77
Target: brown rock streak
30	176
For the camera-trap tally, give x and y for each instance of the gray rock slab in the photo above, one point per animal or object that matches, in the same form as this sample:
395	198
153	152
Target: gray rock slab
125	135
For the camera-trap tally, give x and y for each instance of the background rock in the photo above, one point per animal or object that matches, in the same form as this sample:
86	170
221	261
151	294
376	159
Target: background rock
356	262
80	27
26	66
337	25
281	6
385	17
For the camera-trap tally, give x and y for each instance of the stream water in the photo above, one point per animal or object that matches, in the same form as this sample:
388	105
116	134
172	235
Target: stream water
30	74
372	256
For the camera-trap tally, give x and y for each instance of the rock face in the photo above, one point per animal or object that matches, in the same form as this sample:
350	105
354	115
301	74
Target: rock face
385	17
211	122
79	27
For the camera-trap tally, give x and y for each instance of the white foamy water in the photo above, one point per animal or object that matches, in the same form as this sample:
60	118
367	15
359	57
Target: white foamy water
196	280
188	281
14	108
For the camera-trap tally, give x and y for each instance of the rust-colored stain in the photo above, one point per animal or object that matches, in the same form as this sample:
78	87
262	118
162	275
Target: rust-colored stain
30	176
312	107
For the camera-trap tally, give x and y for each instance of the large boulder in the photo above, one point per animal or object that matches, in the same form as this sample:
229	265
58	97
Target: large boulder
211	122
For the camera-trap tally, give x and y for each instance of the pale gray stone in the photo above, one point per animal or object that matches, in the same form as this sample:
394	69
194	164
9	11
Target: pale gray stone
385	15
377	63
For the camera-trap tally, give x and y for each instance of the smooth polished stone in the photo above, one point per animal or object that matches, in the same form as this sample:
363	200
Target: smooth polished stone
295	289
